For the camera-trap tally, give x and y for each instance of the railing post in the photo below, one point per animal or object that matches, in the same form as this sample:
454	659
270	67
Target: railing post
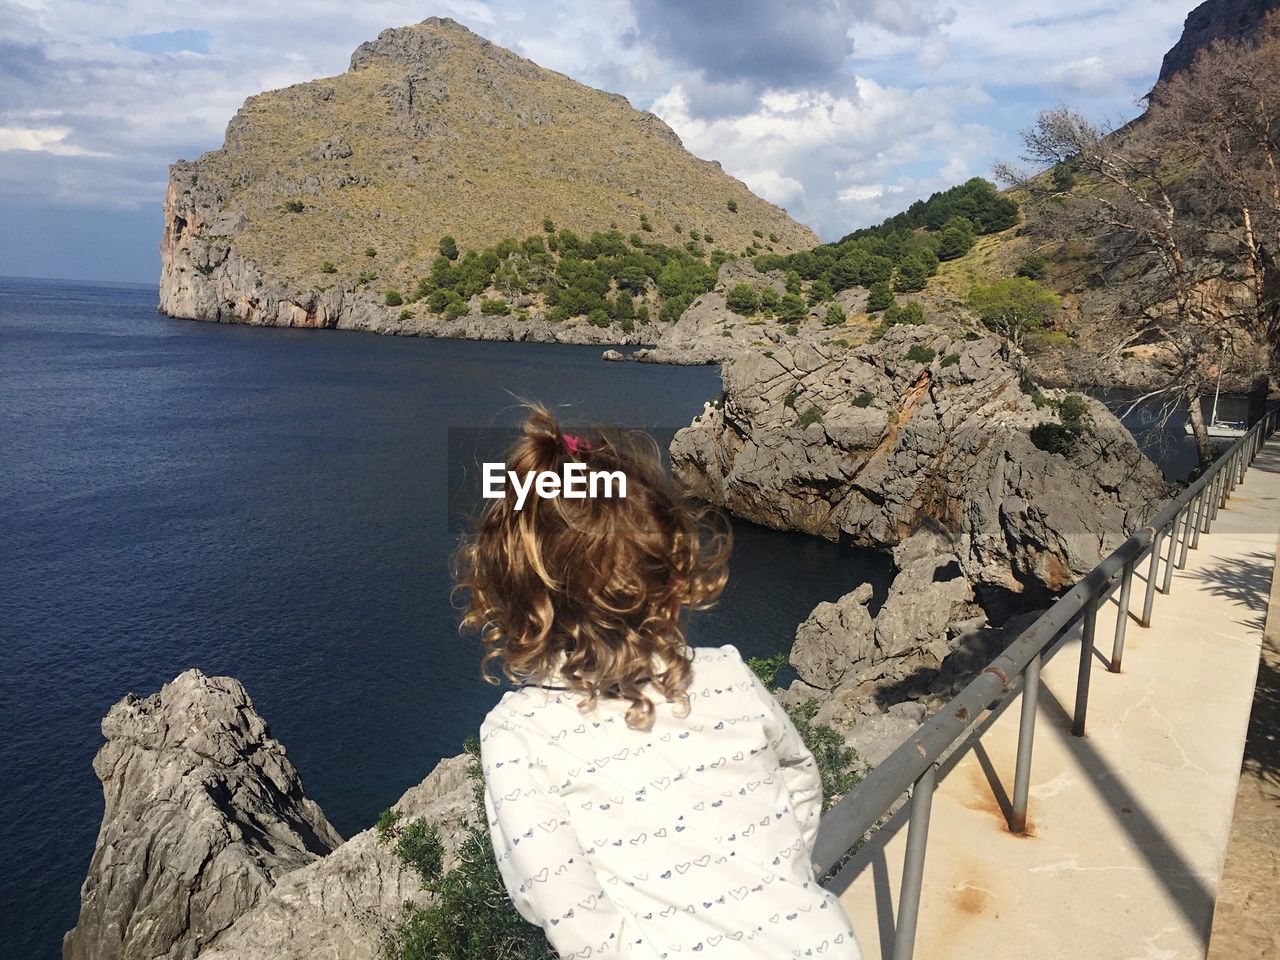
1215	497
1188	525
1026	737
1086	665
1148	602
1173	547
1122	616
904	940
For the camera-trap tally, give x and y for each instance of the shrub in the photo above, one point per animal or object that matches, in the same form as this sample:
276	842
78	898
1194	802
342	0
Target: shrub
733	206
548	225
881	297
769	300
294	206
393	298
1073	411
598	317
455	309
365	277
470	914
449	247
1013	307
766	668
494	308
950	360
370	251
328	267
1054	438
811	416
791	308
757	233
819	291
791	330
913	273
921	354
1033	267
910	313
407	314
956	238
773	238
837	761
708	238
834	316
623	306
792	396
642	314
864	399
743	299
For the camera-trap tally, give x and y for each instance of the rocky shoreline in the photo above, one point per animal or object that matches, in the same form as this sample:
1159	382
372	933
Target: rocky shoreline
918	442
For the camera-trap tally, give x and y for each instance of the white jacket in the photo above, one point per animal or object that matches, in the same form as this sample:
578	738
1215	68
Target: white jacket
693	838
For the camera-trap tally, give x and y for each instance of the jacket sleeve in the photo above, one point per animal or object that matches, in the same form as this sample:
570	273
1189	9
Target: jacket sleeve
549	880
799	768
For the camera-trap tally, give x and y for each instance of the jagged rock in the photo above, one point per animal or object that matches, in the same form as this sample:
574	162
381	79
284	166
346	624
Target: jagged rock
842	648
929	424
929	593
612	355
1214	20
835	639
344	906
733	272
203	814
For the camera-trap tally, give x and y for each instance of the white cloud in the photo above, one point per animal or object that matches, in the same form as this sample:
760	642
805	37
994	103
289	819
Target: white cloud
43	140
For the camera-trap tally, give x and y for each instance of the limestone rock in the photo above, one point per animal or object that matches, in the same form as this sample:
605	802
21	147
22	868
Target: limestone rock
929	425
835	639
344	906
203	814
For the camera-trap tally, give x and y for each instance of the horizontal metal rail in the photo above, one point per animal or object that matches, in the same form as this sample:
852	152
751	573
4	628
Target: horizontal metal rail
914	765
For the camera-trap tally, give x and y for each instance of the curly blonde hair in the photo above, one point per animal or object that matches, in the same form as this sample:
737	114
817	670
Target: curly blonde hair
593	586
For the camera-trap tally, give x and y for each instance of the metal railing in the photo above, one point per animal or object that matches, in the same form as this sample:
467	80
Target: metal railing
914	765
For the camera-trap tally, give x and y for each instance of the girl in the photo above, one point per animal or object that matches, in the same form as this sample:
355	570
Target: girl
646	799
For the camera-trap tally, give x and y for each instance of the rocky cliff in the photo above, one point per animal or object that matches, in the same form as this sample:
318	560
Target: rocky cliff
1214	20
928	424
203	814
209	847
326	194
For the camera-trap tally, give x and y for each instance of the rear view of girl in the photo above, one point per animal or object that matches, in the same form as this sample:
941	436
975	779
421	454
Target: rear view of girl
646	799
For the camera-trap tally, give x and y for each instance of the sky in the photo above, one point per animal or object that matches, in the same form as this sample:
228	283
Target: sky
841	111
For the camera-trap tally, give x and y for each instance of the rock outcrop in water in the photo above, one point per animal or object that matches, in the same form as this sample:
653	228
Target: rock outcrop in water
927	425
204	813
326	195
210	849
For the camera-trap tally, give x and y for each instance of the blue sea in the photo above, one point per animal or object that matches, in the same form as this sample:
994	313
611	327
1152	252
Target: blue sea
273	505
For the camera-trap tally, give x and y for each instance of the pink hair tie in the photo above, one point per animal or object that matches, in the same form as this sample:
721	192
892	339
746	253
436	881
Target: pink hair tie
575	443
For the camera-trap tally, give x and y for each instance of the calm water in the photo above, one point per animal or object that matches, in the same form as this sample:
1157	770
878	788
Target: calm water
270	504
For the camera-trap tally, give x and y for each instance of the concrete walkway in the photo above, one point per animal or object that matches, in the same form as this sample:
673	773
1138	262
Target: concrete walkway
1246	922
1128	825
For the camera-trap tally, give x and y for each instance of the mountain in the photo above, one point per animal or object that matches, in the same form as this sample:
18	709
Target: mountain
327	194
1214	20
